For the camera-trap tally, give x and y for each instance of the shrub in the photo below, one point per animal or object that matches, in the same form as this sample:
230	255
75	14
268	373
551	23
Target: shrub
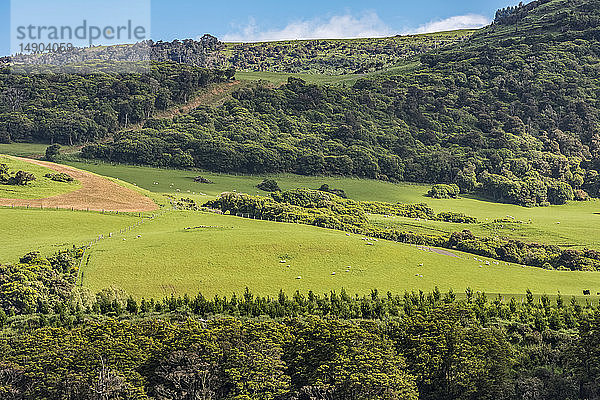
581	195
444	191
559	193
338	192
60	177
4	176
201	179
458	218
52	152
21	178
269	185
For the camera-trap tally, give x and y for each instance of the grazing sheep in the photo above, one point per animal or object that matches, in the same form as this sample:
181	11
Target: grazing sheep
298	277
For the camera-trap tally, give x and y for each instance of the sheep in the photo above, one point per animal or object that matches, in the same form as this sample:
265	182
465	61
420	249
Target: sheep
298	277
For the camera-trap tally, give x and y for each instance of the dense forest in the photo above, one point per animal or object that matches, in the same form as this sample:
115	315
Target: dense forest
511	112
73	109
307	346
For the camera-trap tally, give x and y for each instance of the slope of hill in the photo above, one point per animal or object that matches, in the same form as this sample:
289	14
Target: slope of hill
513	110
71	109
336	57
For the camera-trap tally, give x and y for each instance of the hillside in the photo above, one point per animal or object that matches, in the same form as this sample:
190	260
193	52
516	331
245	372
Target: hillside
72	109
512	111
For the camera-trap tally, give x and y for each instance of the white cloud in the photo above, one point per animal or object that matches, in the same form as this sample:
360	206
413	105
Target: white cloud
469	21
337	27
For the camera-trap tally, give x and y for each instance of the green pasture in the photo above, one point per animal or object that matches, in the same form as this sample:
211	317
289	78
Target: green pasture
573	225
41	188
224	254
31	150
48	231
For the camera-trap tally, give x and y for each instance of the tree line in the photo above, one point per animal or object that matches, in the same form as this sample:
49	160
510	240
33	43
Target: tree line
335	346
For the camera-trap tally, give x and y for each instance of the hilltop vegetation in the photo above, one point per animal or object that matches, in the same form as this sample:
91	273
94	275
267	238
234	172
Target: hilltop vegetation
336	57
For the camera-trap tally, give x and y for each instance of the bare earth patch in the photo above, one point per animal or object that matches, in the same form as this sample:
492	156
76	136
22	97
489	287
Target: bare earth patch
438	251
97	194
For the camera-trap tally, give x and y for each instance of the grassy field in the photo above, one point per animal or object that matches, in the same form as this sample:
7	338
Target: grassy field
32	150
41	188
575	224
47	231
224	254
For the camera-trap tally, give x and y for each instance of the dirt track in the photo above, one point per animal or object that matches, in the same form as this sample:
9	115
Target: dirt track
96	193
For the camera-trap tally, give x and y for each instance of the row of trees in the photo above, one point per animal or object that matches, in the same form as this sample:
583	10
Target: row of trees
416	346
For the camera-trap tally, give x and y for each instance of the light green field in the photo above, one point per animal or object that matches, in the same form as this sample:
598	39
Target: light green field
48	231
229	253
32	150
575	224
41	188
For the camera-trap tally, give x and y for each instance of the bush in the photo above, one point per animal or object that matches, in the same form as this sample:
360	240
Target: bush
201	179
52	152
444	191
4	175
269	185
60	177
21	178
458	218
338	192
559	193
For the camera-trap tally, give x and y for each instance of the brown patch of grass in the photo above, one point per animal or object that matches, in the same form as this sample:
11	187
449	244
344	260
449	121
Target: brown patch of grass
96	194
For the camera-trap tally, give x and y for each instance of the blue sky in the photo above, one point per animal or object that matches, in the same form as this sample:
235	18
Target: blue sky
275	19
